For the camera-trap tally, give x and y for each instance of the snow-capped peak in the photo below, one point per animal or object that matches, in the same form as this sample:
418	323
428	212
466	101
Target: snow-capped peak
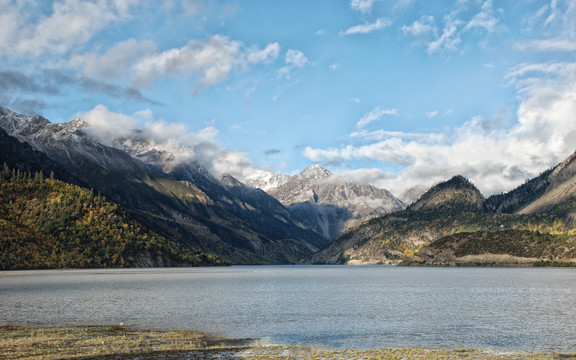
315	172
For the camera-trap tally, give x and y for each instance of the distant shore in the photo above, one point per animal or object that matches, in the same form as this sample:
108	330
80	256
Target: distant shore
126	342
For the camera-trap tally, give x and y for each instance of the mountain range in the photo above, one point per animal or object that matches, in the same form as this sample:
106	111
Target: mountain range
324	203
179	200
312	217
453	224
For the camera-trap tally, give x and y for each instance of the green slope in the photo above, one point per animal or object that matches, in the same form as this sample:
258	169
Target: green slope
47	223
453	207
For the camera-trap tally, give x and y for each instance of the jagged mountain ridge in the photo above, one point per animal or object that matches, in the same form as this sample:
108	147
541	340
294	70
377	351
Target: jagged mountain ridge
212	221
328	206
540	194
19	155
546	204
254	205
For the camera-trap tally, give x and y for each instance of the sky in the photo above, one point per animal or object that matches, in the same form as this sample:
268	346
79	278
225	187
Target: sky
401	94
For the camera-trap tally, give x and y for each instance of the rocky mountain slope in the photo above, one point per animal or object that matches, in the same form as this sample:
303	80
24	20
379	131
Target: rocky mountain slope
327	205
186	205
540	194
538	211
21	156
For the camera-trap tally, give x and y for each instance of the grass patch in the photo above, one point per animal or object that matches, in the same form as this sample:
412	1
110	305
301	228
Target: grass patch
107	342
123	342
545	263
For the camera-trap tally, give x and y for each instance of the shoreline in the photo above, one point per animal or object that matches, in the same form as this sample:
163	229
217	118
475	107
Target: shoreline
124	341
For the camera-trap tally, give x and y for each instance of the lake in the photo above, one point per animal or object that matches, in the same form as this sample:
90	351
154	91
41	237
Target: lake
338	306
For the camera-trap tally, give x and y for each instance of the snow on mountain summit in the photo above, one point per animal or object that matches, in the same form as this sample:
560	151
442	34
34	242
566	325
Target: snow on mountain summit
325	203
315	172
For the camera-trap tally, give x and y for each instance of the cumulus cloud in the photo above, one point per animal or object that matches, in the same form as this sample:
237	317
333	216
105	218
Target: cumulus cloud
70	23
107	125
376	114
495	157
116	62
368	27
294	59
114	129
364	6
212	59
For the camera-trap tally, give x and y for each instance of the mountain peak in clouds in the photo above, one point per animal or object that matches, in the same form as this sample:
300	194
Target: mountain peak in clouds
325	204
547	191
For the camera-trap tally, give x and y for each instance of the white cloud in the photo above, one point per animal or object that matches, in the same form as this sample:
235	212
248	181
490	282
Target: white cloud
362	176
107	125
553	12
425	28
448	37
376	114
269	53
368	27
494	157
294	59
174	138
447	42
116	62
432	114
383	134
557	33
486	19
212	59
69	24
362	5
547	45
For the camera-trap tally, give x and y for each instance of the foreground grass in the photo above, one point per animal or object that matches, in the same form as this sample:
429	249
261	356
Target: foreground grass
124	342
110	342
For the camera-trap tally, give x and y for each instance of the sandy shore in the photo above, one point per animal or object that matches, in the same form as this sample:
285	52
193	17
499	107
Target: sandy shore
126	342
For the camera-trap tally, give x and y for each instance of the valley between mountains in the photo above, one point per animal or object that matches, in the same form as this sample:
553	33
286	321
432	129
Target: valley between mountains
71	199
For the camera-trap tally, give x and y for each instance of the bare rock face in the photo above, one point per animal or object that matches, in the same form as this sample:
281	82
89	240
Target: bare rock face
546	192
329	206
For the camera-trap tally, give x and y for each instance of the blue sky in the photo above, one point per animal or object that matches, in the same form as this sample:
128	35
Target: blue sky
398	93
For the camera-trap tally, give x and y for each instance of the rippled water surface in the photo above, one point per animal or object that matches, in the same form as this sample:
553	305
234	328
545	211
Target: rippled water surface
338	306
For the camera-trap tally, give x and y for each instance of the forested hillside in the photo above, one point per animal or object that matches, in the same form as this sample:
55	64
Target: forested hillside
46	223
449	208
